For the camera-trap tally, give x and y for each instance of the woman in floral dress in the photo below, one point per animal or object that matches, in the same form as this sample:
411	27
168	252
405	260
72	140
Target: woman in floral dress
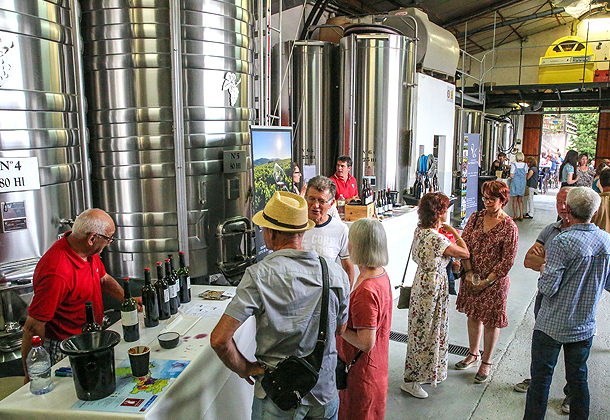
491	236
426	359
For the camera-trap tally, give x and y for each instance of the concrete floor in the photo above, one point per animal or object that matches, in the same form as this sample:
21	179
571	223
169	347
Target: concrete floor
459	398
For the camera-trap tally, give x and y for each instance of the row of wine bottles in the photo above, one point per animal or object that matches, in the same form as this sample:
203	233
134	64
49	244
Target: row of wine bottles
160	300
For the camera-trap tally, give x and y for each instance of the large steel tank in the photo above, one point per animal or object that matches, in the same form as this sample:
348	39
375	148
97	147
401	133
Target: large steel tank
377	74
133	111
310	102
42	139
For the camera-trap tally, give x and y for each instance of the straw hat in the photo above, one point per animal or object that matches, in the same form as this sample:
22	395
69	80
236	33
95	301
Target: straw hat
286	212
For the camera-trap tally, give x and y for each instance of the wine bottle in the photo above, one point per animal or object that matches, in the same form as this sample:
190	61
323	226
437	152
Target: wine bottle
150	301
90	325
162	293
171	283
185	280
129	315
174	274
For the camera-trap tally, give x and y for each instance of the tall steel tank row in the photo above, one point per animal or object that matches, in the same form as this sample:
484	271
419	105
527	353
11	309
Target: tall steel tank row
132	117
41	123
169	92
351	99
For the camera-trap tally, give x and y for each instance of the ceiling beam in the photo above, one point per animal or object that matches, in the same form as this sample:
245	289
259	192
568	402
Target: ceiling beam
553	11
486	10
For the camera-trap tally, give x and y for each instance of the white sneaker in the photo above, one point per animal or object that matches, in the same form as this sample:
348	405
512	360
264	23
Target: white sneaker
415	389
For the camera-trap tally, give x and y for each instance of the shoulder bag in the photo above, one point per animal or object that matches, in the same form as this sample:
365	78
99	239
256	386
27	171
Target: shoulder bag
343	369
294	377
405	291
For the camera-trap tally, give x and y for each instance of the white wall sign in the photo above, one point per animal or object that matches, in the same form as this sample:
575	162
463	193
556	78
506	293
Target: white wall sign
19	174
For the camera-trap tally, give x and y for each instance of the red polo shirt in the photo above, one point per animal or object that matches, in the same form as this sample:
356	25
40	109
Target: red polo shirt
348	188
63	282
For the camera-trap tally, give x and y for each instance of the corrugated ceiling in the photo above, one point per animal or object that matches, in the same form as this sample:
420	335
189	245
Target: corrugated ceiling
472	22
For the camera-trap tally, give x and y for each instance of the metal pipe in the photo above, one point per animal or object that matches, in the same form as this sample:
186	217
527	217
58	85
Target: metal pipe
82	104
309	19
553	11
500	5
178	114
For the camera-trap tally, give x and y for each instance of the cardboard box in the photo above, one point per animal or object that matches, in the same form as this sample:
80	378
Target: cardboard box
353	213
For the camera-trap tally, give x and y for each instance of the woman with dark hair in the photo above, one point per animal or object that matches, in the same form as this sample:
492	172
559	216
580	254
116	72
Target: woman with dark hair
531	185
296	179
567	174
491	236
603	164
427	348
584	172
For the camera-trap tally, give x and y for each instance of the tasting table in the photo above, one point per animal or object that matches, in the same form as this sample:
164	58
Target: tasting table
206	389
399	230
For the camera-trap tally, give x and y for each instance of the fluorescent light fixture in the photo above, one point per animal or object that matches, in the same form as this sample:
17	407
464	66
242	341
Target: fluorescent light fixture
524	104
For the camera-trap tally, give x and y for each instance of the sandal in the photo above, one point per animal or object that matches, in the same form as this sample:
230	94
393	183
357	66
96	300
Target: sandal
463	365
479	379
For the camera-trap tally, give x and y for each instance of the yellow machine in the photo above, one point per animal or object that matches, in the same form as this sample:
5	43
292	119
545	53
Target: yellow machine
567	60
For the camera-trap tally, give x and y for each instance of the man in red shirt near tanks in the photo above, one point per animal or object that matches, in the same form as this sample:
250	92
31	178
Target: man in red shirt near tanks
69	274
346	183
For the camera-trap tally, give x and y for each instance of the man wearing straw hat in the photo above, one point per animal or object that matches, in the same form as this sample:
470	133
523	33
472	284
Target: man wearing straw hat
284	292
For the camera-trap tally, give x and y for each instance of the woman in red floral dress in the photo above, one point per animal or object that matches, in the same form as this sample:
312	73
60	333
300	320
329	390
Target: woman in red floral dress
491	236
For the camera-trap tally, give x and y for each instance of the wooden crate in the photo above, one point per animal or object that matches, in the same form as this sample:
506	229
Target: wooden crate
353	213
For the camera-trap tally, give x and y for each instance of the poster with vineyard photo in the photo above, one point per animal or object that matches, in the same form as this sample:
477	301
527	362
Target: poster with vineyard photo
271	161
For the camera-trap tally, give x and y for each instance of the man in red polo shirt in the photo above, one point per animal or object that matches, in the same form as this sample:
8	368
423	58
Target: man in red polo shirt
346	183
69	274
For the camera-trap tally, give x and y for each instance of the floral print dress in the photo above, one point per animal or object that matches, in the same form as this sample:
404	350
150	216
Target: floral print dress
428	309
490	252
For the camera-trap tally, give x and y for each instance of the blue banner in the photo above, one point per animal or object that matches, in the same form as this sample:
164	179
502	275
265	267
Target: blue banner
471	146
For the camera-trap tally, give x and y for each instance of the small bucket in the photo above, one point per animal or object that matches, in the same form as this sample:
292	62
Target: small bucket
92	360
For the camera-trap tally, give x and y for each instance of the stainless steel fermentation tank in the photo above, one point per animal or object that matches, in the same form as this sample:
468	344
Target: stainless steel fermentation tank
41	116
136	115
378	72
497	137
308	74
43	183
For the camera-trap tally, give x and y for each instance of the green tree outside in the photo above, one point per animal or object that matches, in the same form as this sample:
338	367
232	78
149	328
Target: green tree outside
585	140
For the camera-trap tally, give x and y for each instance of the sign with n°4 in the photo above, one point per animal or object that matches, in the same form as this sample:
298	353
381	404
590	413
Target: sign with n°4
19	174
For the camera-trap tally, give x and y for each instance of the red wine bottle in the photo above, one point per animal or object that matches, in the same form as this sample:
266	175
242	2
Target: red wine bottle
90	325
171	283
174	274
129	315
185	280
162	293
150	301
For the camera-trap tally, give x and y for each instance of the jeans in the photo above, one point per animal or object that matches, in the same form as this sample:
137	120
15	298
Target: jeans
545	351
265	409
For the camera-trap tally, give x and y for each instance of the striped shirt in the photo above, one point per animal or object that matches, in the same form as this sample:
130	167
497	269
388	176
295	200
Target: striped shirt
576	272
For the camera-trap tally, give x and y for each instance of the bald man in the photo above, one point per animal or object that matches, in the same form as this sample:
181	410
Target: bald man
69	274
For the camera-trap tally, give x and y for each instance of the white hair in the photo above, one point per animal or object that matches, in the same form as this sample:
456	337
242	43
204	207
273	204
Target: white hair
369	243
583	203
89	222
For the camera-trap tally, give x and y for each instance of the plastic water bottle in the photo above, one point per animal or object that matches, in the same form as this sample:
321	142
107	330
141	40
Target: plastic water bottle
39	368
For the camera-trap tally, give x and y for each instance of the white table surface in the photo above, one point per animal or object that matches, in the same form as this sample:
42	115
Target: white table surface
399	231
206	389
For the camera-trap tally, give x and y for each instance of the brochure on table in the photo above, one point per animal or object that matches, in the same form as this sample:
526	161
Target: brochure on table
136	395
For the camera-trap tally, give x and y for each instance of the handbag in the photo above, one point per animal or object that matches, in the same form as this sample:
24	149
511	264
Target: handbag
294	376
405	291
343	369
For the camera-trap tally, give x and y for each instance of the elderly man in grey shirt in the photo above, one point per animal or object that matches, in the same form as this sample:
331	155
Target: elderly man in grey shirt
284	293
